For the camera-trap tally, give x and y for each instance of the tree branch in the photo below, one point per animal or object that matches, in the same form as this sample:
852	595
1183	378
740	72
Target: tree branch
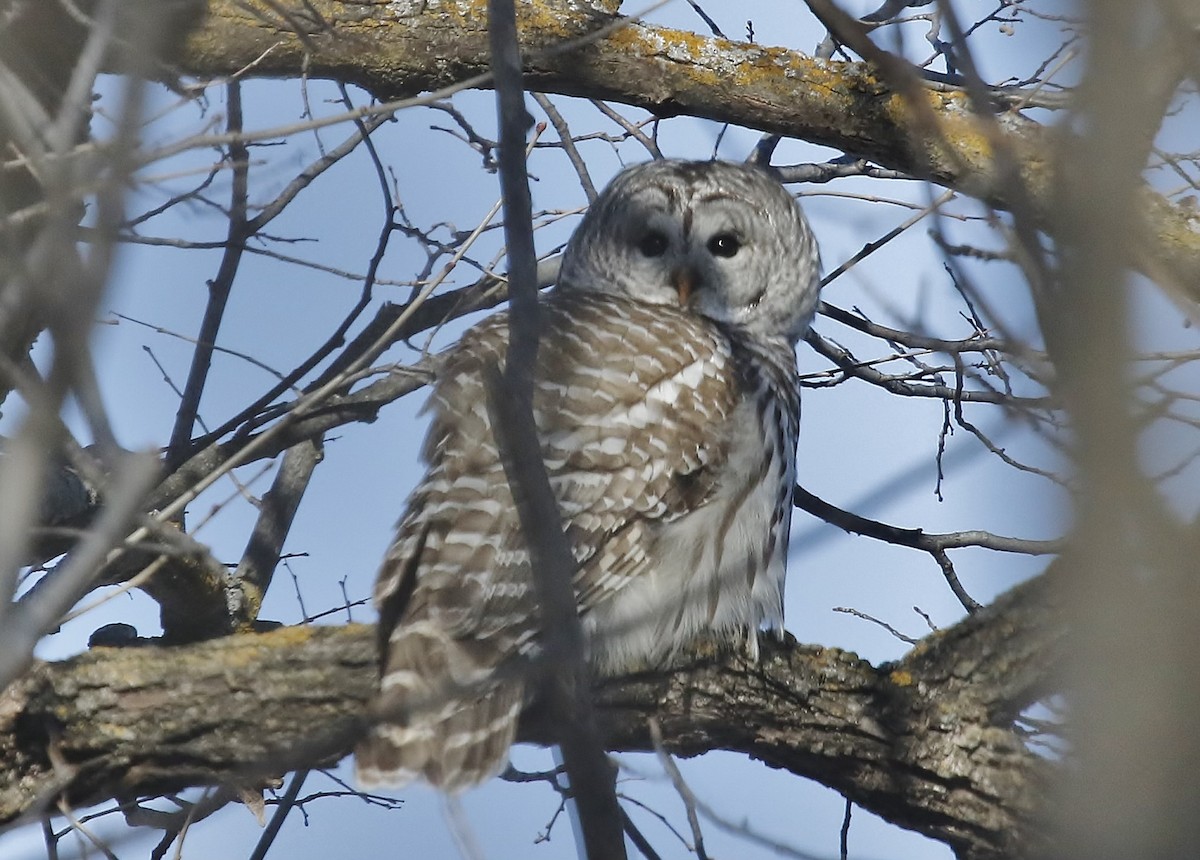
925	742
564	683
276	513
670	72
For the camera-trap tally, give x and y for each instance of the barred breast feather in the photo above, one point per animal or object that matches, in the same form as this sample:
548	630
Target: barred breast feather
670	445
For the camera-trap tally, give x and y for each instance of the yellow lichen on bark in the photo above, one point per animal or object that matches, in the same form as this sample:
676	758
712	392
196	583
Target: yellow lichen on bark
846	106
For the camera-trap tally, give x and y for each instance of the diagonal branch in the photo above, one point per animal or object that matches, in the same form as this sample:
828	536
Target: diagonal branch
276	513
565	683
219	288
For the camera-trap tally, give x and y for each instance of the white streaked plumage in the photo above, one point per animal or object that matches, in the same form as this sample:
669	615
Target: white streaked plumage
667	406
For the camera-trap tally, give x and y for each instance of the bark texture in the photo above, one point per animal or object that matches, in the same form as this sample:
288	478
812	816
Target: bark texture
927	743
405	48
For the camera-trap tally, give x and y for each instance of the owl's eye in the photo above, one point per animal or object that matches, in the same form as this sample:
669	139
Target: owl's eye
724	245
652	244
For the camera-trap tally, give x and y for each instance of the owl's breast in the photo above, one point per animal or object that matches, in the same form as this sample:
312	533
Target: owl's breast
716	570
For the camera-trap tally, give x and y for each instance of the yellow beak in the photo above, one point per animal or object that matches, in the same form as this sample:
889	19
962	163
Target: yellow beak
684	281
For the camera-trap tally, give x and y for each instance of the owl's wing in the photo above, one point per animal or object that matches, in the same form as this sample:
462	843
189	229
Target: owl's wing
632	408
630	403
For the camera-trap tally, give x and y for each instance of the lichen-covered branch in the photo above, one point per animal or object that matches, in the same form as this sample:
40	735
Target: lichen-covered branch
926	742
397	49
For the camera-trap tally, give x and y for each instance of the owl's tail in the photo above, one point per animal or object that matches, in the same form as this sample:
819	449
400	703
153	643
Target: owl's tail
444	714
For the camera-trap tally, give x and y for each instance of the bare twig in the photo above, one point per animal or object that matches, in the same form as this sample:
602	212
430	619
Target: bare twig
511	404
858	613
220	287
916	538
681	788
25	622
875	245
286	804
568	144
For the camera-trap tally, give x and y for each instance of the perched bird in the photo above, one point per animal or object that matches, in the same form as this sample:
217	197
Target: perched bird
667	405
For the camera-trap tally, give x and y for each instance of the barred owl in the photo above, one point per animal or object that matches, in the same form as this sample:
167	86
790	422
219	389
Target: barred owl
667	406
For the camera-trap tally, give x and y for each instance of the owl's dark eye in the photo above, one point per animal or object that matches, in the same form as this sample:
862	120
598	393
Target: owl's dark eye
724	245
652	244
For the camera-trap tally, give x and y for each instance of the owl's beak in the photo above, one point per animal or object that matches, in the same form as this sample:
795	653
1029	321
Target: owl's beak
684	280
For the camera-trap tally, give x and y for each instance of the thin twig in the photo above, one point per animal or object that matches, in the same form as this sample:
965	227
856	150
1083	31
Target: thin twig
681	788
916	538
511	404
286	804
568	144
844	835
858	613
219	288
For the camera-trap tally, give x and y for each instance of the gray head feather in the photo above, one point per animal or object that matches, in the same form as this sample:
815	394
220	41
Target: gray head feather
725	240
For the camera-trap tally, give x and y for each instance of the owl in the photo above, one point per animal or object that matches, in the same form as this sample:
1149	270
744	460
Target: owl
666	403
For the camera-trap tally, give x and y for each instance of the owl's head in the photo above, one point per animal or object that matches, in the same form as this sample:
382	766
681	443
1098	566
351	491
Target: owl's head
721	239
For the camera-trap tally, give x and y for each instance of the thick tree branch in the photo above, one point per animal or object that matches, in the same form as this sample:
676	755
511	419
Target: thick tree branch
842	105
925	742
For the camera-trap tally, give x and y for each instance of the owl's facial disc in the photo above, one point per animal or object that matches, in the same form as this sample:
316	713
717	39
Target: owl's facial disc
725	241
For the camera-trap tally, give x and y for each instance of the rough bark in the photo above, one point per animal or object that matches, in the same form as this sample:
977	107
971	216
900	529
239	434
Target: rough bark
400	49
925	742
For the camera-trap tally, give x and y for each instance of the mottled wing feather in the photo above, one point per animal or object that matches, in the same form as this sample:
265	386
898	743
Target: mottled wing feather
629	402
631	422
